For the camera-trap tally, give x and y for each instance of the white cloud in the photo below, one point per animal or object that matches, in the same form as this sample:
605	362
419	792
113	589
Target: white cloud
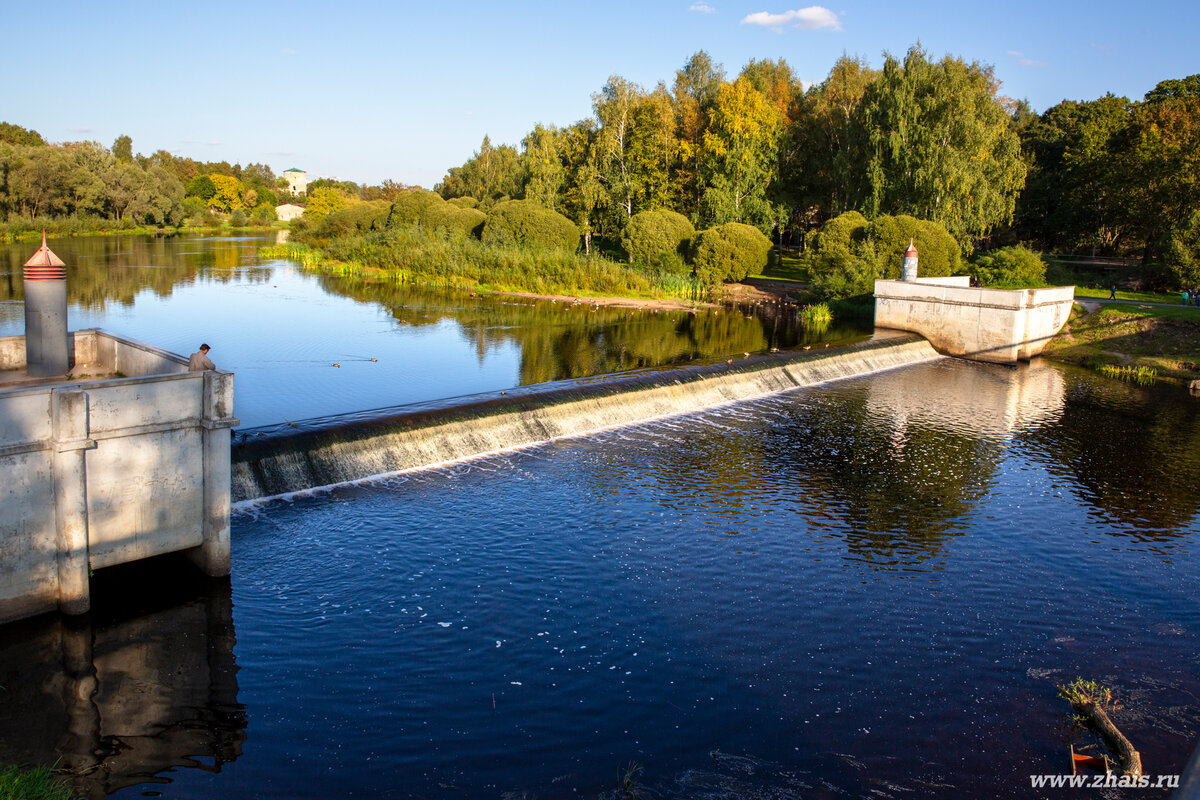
702	8
1025	61
809	19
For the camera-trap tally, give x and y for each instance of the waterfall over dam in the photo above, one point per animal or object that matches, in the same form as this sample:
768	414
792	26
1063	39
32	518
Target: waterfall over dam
292	457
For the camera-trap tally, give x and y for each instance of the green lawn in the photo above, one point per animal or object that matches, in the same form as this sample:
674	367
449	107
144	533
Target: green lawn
1172	298
784	268
1163	338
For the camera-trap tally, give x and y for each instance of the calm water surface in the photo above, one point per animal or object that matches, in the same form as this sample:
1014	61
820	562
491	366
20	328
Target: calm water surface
864	589
305	346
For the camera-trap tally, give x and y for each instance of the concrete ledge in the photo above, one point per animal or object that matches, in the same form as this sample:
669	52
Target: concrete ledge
996	325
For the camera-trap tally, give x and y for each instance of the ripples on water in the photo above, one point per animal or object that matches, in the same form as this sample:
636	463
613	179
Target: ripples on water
870	587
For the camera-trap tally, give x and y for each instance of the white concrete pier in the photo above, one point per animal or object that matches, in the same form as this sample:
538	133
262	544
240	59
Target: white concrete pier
997	325
128	459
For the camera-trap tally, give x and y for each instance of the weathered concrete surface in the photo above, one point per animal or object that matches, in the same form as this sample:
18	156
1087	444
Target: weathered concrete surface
101	472
997	325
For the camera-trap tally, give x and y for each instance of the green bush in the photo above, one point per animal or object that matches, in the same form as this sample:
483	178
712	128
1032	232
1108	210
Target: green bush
1010	268
525	223
729	252
410	205
194	206
850	253
938	252
451	218
840	237
265	195
354	218
464	202
264	213
658	239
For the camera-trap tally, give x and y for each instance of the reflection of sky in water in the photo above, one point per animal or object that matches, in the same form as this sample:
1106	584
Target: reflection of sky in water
283	331
283	337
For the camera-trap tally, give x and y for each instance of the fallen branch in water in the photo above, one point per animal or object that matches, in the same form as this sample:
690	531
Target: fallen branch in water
1087	699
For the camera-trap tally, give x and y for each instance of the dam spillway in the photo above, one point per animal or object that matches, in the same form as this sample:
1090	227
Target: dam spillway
294	457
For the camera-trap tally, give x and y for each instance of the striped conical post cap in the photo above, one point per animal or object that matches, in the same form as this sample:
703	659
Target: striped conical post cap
44	265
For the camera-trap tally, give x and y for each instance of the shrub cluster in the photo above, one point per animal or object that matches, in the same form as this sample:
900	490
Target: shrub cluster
410	206
453	219
729	252
354	218
658	239
851	253
1011	267
525	223
425	209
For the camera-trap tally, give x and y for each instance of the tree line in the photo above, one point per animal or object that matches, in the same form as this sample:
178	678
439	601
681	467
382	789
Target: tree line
928	138
86	180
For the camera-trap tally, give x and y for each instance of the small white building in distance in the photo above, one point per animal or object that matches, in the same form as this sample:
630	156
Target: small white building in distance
288	212
297	181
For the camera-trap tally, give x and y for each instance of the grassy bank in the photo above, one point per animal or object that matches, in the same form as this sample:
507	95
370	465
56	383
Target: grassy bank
35	783
70	226
414	256
1165	339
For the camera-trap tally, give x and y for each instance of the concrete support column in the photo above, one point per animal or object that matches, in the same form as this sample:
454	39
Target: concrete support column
69	407
213	554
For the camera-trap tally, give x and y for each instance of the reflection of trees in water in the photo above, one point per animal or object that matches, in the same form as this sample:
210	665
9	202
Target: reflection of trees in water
114	269
1131	453
148	684
893	490
896	490
561	340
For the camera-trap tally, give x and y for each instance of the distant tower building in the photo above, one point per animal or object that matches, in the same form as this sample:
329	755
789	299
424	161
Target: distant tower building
908	268
297	181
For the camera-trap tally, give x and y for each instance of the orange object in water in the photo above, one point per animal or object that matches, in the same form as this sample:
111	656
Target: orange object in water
1095	763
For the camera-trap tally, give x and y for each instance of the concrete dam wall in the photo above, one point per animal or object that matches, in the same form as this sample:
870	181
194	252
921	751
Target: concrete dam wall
996	325
281	459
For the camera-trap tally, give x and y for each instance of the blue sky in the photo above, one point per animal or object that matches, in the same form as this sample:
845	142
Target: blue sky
365	91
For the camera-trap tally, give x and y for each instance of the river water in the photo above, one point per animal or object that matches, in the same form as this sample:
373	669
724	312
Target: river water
307	346
869	588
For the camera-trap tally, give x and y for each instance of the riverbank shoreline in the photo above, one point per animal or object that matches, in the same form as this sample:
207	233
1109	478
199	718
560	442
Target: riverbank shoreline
33	234
1165	339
